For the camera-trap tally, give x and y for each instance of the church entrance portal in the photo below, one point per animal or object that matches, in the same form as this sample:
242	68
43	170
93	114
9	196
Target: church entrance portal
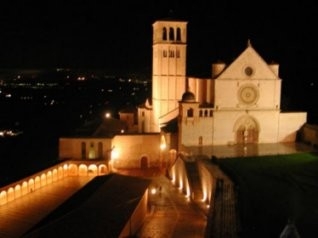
246	131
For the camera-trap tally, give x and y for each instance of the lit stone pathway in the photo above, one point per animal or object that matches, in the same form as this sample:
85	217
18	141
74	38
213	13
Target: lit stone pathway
172	214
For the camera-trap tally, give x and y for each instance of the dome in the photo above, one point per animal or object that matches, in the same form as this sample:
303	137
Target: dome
188	97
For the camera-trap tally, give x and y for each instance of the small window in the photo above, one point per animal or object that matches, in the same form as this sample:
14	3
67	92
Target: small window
178	34
83	145
248	71
190	112
164	34
171	34
177	54
100	150
200	140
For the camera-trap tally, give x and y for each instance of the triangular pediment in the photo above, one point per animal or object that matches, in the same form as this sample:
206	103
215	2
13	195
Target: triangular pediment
248	65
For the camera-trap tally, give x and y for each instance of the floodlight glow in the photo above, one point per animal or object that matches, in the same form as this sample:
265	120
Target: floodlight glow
115	154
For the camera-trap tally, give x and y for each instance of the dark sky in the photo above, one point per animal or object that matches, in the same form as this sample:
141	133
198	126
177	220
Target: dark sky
118	34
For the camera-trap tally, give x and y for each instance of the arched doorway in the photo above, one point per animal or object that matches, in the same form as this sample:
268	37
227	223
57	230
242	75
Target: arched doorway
144	162
246	130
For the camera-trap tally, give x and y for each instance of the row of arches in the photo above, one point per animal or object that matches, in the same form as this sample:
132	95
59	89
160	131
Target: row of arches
171	34
202	112
171	53
87	170
206	113
45	178
31	184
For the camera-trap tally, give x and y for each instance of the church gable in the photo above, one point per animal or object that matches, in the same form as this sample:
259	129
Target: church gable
248	65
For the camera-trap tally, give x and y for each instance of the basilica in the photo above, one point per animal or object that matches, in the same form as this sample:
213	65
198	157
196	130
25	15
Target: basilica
238	104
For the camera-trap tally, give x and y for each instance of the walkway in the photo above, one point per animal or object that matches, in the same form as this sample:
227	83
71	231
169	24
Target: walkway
172	214
20	215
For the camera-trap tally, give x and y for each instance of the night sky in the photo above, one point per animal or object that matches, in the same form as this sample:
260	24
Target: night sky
117	35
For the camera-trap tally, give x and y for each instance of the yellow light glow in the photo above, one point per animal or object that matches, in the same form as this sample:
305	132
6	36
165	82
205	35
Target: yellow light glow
163	144
173	175
180	185
153	191
188	192
107	115
204	196
115	154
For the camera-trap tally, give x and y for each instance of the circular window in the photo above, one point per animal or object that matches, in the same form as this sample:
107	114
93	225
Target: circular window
248	71
248	94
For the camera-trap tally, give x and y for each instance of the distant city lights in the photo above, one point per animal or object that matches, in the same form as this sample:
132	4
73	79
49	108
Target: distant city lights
9	133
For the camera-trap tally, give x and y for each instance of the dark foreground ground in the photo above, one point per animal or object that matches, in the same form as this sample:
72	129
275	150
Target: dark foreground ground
273	190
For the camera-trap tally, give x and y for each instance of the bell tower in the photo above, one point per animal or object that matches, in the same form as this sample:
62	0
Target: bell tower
168	69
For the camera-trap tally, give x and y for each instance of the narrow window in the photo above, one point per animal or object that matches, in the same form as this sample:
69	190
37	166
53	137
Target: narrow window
83	150
190	112
164	34
178	34
200	113
171	34
100	150
178	54
91	152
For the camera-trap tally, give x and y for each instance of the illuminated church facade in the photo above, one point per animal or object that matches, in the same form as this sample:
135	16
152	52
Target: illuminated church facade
239	104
